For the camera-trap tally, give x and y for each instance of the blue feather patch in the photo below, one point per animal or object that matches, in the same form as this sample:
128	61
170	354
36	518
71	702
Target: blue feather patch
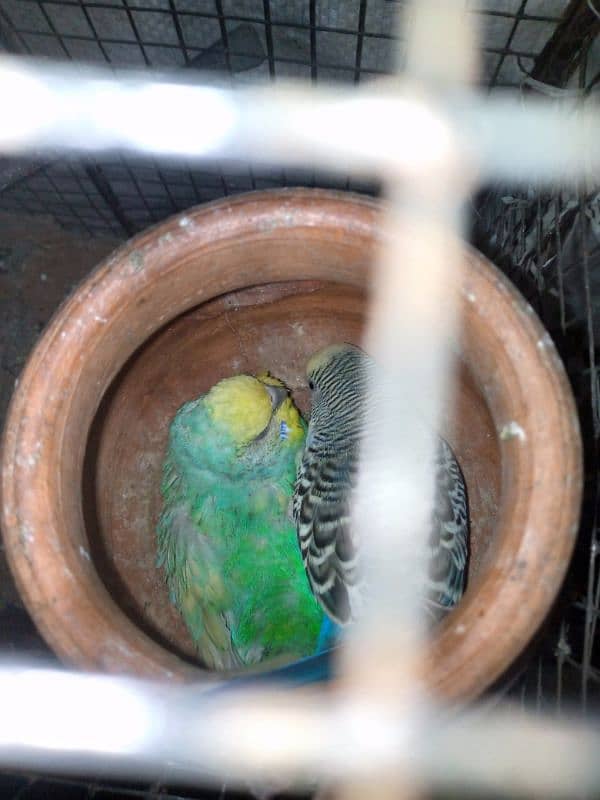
284	431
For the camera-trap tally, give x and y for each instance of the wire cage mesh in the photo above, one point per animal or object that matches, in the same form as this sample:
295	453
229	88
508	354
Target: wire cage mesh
325	41
548	243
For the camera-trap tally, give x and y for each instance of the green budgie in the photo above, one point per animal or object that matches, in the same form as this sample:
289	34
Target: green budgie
225	535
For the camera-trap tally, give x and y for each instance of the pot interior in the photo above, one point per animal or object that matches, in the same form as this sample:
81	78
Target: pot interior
277	327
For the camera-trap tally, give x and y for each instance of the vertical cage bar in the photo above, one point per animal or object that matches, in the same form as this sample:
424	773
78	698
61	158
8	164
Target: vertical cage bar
269	37
362	15
312	12
507	46
136	33
95	174
178	30
97	39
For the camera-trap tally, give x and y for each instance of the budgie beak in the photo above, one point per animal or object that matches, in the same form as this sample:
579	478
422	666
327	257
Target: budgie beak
277	393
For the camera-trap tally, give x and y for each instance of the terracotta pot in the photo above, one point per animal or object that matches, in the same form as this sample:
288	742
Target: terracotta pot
172	312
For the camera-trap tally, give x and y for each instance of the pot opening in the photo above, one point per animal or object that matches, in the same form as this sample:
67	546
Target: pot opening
277	327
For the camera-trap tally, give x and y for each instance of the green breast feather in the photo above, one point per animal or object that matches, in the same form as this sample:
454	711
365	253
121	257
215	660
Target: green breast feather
225	540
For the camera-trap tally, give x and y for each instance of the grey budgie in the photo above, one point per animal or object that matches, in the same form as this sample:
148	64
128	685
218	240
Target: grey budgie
326	476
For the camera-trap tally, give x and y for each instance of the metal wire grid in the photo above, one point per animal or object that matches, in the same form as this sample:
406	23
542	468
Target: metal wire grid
546	244
323	40
159	33
549	245
124	195
65	190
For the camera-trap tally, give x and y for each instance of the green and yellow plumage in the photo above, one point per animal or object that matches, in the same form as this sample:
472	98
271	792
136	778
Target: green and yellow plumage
225	539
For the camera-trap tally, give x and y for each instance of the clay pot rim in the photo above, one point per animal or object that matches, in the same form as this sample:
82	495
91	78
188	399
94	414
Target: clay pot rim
25	487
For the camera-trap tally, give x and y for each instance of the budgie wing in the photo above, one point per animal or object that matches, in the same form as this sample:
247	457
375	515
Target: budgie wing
193	569
322	516
448	540
329	552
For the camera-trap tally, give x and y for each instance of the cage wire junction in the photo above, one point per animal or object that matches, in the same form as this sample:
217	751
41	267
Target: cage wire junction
547	241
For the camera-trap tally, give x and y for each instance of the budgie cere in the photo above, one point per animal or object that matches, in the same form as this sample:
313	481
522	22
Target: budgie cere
326	476
225	537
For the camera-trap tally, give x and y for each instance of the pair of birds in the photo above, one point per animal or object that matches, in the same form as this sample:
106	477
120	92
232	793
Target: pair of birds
254	504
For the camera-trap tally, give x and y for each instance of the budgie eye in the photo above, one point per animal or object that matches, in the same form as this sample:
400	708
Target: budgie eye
283	430
311	385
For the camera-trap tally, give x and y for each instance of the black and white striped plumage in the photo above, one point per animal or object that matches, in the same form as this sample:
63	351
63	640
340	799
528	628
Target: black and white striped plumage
326	476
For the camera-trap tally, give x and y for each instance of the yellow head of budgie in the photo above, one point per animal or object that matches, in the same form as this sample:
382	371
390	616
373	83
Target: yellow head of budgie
244	405
241	405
